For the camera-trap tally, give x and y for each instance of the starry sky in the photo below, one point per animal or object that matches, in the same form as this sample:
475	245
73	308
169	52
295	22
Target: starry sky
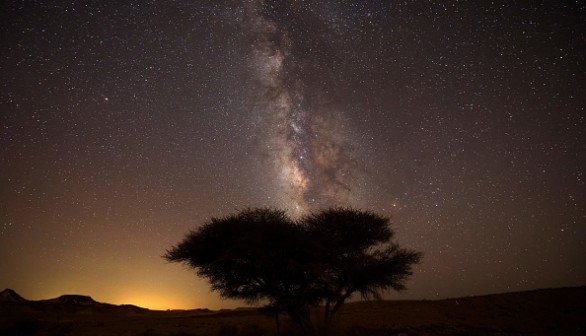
123	124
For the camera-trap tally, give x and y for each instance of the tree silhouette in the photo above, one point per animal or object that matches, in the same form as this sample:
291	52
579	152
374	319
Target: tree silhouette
323	258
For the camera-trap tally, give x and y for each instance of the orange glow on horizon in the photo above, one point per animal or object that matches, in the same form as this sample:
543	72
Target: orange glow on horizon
154	301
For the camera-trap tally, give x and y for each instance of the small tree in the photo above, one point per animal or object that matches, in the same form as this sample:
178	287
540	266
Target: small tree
324	258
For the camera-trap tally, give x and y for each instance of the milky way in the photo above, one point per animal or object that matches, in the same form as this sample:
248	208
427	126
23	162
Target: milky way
304	139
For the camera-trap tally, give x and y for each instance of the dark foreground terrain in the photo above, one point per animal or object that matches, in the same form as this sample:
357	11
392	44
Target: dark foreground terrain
543	312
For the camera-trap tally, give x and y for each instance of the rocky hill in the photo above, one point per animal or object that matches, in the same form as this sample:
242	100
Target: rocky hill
64	304
81	300
8	295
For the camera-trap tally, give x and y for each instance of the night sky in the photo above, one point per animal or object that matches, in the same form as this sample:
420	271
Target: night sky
123	124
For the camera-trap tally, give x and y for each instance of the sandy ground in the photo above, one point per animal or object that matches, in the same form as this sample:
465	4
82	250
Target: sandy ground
543	312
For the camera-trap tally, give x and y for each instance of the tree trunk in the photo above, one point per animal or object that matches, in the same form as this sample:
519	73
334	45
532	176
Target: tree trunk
327	312
277	325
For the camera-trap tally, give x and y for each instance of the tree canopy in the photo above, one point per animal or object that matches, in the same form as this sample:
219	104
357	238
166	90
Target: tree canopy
320	259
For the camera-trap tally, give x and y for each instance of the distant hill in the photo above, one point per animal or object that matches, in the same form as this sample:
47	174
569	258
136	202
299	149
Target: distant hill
69	303
8	295
81	300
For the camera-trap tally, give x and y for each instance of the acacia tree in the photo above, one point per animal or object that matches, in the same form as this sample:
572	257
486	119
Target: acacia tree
323	258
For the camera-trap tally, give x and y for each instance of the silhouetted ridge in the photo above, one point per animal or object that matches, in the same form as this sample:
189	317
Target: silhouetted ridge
75	299
8	295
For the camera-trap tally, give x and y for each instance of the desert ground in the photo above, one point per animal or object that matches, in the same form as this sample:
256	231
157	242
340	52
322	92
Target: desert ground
559	311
